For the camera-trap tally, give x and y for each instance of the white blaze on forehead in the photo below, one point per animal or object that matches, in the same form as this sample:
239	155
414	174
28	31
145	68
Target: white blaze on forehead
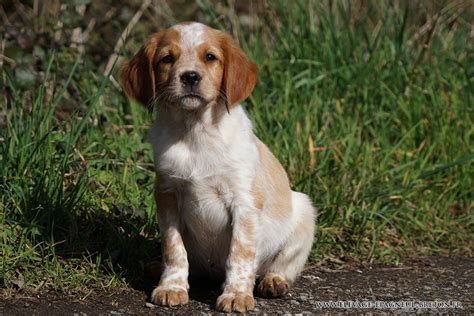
190	35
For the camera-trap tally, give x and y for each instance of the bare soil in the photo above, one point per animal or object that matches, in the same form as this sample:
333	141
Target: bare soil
426	279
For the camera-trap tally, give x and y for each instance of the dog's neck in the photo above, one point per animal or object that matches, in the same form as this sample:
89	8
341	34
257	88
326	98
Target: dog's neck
205	118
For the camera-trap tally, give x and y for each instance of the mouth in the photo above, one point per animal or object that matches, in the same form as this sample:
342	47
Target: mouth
191	101
191	96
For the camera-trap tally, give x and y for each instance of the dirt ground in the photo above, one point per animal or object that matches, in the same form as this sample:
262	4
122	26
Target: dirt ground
447	279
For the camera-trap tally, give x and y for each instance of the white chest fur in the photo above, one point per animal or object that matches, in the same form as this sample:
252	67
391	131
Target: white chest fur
204	150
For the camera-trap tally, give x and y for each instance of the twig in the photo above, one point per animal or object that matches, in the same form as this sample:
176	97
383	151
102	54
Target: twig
311	152
5	58
36	8
79	37
89	28
124	35
393	269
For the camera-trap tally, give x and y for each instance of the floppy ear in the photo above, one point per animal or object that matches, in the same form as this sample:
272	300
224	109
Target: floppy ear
138	75
240	74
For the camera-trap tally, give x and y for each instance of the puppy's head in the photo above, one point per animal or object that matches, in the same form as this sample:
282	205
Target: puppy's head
187	67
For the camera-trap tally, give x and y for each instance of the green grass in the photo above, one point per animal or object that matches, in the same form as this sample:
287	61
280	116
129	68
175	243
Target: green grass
369	114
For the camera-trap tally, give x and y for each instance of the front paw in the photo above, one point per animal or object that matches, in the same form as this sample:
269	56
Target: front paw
169	296
235	302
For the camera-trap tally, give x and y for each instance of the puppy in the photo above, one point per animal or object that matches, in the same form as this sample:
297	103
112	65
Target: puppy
225	207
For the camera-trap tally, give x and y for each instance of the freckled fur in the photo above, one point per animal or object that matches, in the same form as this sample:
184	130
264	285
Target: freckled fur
224	201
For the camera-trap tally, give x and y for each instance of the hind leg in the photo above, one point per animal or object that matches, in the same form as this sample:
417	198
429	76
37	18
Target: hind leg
289	262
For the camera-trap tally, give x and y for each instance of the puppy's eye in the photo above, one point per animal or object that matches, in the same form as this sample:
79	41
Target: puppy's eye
168	59
210	57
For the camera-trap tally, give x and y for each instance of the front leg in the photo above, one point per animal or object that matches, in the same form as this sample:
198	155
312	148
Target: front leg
173	286
241	262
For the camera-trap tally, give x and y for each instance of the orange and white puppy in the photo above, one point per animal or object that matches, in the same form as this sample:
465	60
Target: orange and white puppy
225	207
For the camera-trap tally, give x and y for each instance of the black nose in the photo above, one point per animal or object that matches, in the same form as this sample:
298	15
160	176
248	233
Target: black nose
190	78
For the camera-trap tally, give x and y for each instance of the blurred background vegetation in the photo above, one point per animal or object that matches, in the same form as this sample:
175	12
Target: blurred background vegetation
368	105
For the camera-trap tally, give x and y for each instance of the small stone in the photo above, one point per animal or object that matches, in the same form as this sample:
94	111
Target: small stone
303	298
150	305
295	302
